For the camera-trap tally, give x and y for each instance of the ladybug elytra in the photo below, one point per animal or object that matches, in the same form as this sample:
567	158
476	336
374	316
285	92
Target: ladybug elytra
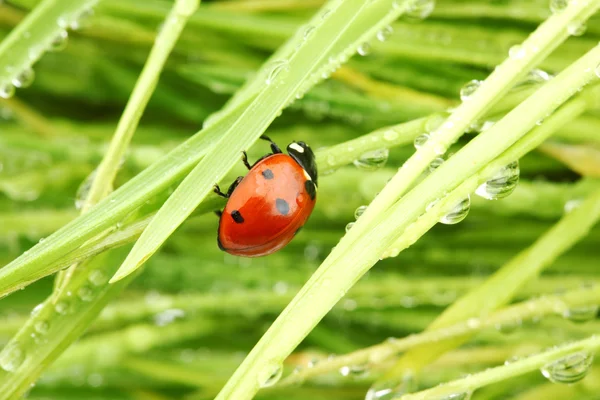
267	207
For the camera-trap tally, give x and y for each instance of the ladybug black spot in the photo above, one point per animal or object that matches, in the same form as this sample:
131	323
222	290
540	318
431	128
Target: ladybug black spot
310	189
268	174
237	217
282	206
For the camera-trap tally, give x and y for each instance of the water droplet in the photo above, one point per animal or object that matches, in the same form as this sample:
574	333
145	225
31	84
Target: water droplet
582	313
570	369
420	9
502	184
277	68
434	122
390	135
355	371
7	91
469	89
517	52
458	213
269	375
576	28
41	327
281	287
421	140
435	163
37	309
509	326
62	308
84	190
372	160
385	33
24	79
349	226
169	316
85	293
83	20
456	396
97	278
11	357
308	31
364	49
392	389
60	41
571	205
557	6
360	211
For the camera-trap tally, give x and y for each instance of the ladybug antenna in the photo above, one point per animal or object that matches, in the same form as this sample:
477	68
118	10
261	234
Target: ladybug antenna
305	157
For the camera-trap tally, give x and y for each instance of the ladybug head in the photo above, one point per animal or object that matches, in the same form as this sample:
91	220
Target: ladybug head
304	156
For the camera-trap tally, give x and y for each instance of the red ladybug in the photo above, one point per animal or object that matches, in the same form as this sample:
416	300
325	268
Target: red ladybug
267	207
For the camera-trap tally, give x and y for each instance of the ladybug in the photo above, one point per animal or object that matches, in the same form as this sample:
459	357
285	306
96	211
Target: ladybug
267	207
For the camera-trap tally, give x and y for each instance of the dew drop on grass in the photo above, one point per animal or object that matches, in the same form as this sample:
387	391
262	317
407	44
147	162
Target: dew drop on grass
458	213
385	33
277	68
509	327
420	9
576	28
7	90
97	278
467	91
84	190
570	369
435	163
349	226
517	52
269	375
24	79
392	389
308	31
37	309
502	184
582	313
364	49
456	396
434	122
360	211
390	135
11	357
372	160
421	140
85	293
355	371
60	41
62	308
557	6
83	20
41	327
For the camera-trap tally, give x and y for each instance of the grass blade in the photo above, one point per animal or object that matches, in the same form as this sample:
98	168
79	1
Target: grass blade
337	274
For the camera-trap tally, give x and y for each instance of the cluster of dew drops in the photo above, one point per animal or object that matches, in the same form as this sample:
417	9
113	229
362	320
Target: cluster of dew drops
14	354
23	76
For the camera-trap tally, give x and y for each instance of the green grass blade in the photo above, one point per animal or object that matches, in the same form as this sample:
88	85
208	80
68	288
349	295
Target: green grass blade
337	274
498	374
106	172
33	37
537	46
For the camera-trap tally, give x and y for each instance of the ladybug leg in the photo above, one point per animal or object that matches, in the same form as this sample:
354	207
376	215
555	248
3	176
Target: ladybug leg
245	160
234	185
219	213
217	190
274	148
